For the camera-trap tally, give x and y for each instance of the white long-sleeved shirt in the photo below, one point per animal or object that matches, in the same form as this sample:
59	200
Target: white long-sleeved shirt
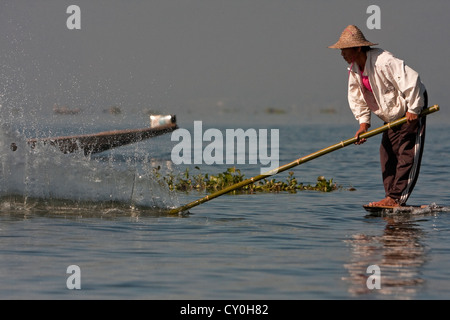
396	88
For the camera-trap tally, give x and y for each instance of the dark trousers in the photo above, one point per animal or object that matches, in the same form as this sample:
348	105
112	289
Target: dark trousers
401	156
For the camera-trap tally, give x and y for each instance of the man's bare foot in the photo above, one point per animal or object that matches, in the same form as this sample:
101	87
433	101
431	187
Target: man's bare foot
386	202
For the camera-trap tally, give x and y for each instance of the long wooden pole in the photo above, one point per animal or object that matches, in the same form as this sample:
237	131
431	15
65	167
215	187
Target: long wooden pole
299	161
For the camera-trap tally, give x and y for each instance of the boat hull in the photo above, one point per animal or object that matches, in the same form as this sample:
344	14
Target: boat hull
102	141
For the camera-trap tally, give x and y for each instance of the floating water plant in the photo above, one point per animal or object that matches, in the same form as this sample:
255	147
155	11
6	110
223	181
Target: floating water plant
207	182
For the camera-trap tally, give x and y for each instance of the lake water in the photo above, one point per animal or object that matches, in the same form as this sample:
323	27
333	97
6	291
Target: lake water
61	210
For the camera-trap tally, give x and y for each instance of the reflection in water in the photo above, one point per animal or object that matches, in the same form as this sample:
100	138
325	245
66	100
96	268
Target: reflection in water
398	252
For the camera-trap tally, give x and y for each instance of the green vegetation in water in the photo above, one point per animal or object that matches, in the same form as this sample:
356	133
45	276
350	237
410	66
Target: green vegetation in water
210	183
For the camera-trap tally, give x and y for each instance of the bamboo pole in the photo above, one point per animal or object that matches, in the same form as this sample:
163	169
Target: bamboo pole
299	161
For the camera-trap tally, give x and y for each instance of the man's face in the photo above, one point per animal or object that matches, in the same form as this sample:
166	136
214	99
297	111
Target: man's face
349	54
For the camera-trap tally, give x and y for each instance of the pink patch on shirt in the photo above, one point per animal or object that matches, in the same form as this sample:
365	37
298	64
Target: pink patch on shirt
366	83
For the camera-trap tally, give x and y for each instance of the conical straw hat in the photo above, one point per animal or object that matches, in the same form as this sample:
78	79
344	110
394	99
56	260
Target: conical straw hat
351	37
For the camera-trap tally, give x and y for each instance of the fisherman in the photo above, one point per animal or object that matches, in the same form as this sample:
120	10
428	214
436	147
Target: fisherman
382	84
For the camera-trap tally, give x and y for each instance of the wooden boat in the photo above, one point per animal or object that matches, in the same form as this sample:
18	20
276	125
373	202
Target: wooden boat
102	141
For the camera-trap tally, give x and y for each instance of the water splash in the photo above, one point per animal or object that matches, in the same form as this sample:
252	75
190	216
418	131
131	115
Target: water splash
411	211
45	175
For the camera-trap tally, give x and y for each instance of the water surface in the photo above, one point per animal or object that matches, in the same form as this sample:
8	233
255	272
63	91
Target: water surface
306	245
